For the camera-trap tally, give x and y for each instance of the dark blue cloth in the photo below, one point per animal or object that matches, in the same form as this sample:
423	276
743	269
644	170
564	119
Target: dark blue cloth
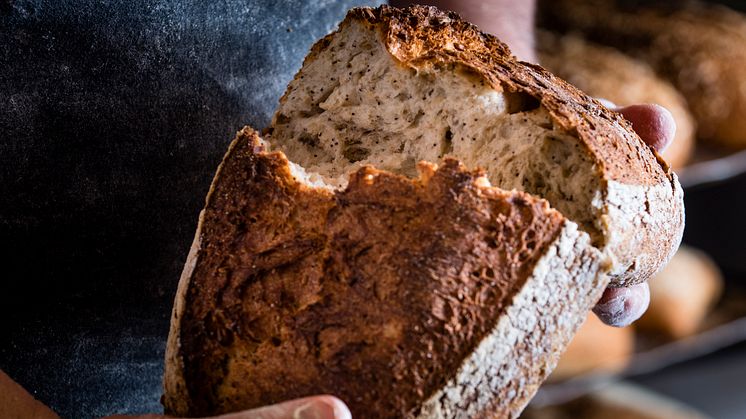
113	118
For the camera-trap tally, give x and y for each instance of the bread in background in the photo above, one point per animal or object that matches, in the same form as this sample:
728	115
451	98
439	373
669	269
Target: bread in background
618	401
681	295
700	48
596	348
606	73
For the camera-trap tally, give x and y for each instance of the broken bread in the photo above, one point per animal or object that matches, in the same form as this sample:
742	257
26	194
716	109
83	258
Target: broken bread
361	249
604	72
389	90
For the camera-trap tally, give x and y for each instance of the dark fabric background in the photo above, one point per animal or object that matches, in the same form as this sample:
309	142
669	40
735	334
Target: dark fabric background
113	118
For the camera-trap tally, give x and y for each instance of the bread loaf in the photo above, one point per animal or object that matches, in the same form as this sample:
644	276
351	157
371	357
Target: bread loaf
699	48
604	72
681	295
328	260
596	348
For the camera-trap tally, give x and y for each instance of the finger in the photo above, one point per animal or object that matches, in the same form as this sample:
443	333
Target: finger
653	123
620	307
316	407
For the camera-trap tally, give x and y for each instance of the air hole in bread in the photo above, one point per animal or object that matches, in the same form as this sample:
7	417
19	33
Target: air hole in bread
376	111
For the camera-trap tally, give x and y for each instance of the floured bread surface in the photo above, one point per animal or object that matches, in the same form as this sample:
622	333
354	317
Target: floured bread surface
430	297
390	93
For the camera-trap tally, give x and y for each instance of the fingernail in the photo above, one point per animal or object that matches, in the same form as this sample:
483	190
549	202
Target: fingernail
328	408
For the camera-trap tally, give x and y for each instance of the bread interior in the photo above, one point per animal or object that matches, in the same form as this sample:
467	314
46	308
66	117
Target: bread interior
354	104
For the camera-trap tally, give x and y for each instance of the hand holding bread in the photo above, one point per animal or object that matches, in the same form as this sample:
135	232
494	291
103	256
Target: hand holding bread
407	288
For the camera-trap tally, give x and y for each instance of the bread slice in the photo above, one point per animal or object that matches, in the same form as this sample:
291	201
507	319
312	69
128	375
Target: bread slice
699	47
412	289
607	73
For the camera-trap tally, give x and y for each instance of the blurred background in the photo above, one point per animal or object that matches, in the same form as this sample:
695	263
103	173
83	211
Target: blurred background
686	357
114	116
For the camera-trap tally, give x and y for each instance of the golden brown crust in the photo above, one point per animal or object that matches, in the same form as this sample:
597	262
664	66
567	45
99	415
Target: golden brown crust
425	36
700	48
397	294
415	272
682	295
604	72
421	36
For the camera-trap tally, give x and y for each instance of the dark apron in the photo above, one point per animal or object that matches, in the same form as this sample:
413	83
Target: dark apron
113	119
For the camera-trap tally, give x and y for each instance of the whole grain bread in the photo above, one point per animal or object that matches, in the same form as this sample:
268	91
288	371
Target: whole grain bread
607	73
391	88
700	48
433	297
328	260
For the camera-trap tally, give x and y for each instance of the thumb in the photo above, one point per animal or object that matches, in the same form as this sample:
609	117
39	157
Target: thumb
316	407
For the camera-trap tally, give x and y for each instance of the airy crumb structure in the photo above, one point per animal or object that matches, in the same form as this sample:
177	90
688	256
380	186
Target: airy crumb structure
353	105
390	93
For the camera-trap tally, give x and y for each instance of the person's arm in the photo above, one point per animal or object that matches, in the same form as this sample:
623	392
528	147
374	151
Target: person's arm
15	402
510	20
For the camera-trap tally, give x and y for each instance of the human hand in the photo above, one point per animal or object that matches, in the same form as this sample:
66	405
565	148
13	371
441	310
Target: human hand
315	407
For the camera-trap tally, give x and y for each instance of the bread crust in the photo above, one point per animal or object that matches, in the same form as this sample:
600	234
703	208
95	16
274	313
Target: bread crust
463	261
433	297
606	73
632	172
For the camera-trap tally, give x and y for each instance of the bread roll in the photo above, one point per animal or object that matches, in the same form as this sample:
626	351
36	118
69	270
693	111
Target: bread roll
604	72
412	289
682	294
596	348
699	48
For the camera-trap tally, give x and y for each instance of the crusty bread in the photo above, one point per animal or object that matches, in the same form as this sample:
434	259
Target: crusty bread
607	73
682	294
435	297
411	290
700	48
388	92
596	348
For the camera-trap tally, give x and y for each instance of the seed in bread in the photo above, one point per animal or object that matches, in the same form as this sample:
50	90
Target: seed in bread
412	289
